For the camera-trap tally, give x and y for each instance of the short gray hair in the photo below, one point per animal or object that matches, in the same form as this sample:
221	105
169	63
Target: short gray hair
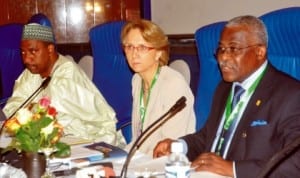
256	25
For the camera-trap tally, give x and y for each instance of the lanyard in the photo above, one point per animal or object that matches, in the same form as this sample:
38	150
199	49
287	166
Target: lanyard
143	107
229	115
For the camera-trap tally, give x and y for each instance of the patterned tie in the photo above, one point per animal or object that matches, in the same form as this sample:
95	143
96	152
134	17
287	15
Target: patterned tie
238	91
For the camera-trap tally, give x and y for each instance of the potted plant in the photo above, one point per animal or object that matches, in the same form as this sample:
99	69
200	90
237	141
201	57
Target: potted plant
35	129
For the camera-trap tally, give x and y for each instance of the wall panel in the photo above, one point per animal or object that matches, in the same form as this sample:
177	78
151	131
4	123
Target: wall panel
20	10
71	19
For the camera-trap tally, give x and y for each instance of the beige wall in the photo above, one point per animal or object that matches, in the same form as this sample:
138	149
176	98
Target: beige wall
186	16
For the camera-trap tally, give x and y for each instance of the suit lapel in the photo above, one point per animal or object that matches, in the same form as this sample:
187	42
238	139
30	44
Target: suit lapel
215	117
257	101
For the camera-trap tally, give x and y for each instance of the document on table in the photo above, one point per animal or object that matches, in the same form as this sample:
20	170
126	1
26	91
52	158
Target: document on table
80	156
155	167
71	140
87	154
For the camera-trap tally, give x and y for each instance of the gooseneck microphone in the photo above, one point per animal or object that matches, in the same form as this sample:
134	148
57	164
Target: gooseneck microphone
178	106
28	100
276	159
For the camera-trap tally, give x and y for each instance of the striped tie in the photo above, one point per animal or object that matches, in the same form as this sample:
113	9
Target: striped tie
238	91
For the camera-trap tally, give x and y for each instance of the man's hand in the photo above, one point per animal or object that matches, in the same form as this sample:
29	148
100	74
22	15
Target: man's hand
162	148
213	163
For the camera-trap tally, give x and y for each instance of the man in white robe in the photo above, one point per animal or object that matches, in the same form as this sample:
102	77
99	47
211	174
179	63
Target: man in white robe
82	110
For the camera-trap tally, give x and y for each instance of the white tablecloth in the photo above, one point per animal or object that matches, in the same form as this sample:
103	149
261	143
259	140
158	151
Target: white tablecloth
145	166
140	165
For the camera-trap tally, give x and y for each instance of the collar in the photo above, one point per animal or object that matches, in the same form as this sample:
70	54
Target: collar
248	81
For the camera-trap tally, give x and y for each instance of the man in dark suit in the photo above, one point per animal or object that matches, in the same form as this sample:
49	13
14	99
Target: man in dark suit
237	141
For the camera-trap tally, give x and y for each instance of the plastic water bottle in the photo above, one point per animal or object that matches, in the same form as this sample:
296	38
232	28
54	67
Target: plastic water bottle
178	165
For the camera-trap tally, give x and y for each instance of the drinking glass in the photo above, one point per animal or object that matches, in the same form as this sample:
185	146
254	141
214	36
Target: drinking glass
47	152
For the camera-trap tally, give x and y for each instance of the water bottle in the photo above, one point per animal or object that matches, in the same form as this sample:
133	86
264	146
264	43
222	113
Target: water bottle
178	165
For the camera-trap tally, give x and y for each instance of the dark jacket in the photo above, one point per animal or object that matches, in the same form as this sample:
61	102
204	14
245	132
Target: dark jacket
253	145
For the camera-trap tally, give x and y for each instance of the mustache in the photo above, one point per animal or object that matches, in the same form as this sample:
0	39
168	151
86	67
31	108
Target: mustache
223	64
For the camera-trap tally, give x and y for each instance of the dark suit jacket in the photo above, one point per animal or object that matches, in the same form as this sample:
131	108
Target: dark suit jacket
253	146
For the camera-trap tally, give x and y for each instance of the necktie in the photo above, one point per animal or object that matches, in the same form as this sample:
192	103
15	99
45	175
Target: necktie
238	91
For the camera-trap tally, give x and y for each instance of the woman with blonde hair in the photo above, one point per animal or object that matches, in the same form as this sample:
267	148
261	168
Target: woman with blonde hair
155	86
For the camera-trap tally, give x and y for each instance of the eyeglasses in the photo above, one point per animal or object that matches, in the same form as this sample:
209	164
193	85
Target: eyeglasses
139	48
231	50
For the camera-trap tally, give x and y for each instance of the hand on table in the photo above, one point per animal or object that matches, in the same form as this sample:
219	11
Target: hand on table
213	163
162	148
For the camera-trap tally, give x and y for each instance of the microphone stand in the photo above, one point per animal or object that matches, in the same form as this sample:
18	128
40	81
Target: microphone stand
278	157
180	104
26	102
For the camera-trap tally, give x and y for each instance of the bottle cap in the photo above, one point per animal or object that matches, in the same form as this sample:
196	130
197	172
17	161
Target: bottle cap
176	147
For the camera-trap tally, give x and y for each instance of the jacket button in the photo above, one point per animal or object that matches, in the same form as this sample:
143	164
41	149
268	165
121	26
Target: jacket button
244	134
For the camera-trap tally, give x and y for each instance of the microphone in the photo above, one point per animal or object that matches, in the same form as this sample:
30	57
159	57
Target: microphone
28	100
178	106
278	157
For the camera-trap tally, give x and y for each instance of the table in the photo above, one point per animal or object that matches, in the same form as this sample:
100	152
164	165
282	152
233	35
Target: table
143	166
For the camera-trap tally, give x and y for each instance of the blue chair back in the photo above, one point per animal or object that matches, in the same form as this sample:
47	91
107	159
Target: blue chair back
207	39
112	74
11	64
283	28
40	19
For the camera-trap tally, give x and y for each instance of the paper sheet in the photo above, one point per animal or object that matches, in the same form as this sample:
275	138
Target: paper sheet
70	140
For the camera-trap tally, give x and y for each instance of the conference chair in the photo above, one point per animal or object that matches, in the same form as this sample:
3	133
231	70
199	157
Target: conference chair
283	27
87	64
111	73
207	39
41	19
70	57
182	67
11	64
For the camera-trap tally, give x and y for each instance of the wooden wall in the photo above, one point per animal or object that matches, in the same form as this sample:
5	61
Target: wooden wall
71	19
